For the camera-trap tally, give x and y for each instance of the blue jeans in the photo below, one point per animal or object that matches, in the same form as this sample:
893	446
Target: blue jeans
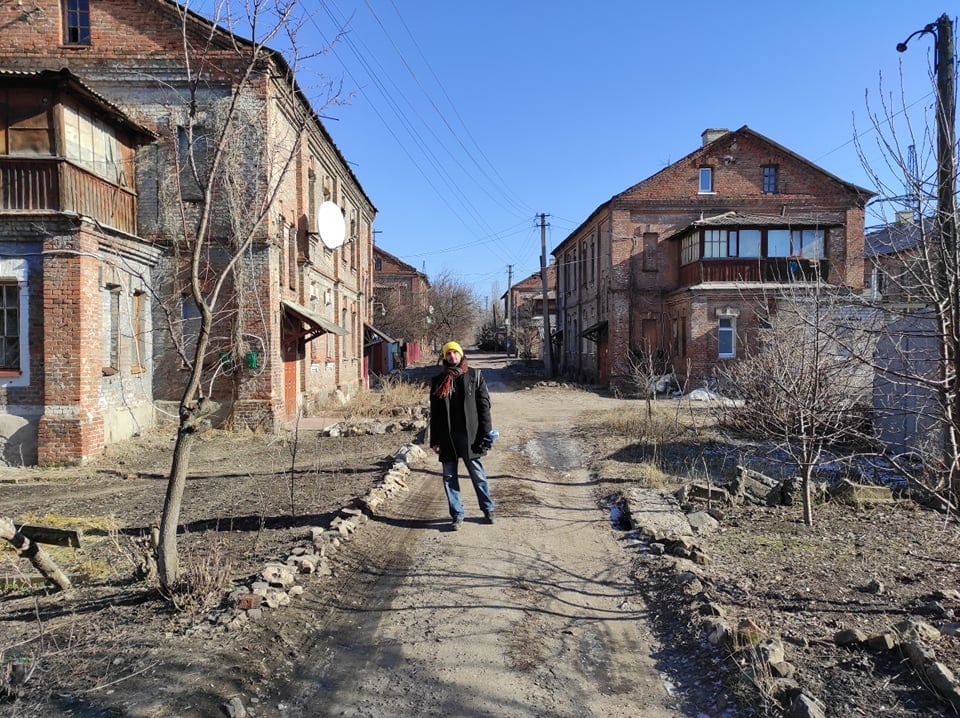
451	485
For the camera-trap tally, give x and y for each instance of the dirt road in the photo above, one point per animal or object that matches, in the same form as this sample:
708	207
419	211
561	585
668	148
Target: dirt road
533	616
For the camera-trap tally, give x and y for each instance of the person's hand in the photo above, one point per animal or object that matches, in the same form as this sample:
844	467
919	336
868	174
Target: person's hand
436	449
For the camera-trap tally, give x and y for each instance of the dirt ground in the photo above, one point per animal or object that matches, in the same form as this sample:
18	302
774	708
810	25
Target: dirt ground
555	610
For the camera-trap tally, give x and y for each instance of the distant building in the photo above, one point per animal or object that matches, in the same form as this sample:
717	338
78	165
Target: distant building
525	303
672	268
401	304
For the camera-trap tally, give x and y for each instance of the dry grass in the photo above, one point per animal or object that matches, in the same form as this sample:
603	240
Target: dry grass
395	396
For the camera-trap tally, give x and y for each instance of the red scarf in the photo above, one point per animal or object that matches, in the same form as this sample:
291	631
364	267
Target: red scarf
451	372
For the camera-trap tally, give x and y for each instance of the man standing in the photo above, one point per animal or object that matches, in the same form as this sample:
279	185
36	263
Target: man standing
459	424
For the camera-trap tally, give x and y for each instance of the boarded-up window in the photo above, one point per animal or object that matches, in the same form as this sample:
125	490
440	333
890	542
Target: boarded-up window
650	251
27	123
92	144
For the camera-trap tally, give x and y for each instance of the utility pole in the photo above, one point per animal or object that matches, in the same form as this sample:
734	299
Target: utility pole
946	232
509	302
547	343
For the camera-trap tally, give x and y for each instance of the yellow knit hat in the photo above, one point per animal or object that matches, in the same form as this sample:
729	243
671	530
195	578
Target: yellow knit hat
451	346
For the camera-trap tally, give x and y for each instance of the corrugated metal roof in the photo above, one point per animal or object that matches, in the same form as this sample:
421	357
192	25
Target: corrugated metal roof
78	86
743	219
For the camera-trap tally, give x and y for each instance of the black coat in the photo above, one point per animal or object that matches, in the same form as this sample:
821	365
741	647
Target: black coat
476	413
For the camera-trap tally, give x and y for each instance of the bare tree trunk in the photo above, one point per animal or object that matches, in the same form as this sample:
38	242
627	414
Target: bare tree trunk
168	562
808	495
37	556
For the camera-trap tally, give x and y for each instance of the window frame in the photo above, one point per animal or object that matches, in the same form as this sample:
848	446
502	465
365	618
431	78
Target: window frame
730	331
76	22
770	179
11	288
705	172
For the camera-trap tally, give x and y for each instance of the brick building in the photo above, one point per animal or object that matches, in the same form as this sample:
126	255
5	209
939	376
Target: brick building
401	303
673	267
98	97
525	302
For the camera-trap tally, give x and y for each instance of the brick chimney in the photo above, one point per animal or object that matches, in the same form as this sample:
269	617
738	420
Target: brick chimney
713	133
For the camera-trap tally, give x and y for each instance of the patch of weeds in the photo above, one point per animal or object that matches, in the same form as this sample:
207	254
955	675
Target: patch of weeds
206	573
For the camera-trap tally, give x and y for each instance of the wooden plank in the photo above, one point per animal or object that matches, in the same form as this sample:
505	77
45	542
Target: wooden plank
52	536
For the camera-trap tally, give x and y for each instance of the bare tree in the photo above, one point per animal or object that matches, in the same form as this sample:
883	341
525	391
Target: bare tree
402	315
230	165
804	384
454	311
916	275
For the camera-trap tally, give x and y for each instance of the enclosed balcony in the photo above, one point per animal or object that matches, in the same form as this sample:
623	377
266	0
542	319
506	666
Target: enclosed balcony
65	148
56	185
795	269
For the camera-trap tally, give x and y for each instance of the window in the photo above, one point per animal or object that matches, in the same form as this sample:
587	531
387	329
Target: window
726	337
378	264
113	329
292	257
10	337
76	22
807	243
719	243
190	325
190	189
749	243
778	242
706	179
769	178
690	248
139	322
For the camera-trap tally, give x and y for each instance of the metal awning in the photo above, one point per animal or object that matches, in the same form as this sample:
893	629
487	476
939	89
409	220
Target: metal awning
316	325
372	335
593	332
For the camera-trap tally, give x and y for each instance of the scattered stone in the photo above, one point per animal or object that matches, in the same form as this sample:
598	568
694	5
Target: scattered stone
702	523
912	630
805	706
850	637
770	650
882	642
748	633
234	708
278	574
874	586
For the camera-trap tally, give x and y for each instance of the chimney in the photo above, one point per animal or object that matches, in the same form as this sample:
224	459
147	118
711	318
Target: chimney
713	133
904	217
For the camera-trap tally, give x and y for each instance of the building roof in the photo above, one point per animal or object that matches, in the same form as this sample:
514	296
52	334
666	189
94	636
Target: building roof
899	236
412	270
862	192
745	219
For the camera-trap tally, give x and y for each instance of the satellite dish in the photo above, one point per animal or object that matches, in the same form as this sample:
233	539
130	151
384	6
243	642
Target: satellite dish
330	225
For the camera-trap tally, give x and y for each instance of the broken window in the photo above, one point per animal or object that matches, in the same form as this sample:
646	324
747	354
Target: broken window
76	22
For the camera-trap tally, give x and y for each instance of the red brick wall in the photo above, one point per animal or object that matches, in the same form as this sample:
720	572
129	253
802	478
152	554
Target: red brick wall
71	427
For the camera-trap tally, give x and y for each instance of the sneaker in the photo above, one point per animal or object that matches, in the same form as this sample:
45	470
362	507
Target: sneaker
488	515
457	523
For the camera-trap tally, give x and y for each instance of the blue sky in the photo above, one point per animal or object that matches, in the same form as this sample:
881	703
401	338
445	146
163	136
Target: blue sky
466	120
